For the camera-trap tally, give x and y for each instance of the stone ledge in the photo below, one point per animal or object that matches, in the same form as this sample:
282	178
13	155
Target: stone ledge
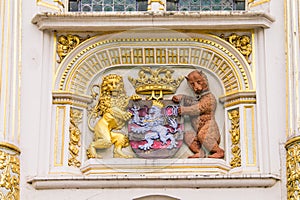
153	181
155	167
114	21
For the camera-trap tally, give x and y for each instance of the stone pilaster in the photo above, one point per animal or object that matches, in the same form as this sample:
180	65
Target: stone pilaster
293	101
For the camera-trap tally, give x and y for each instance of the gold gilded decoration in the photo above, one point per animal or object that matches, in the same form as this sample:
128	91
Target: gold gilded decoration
293	169
253	3
241	43
155	82
234	116
111	107
65	44
59	3
10	176
74	144
161	4
48	5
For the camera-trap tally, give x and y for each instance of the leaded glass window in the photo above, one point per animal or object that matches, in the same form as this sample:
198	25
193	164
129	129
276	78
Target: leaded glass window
107	5
141	5
205	5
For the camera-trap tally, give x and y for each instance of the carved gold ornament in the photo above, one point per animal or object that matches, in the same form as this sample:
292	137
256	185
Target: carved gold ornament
10	176
65	44
161	4
111	107
234	131
293	170
60	3
241	43
155	82
75	134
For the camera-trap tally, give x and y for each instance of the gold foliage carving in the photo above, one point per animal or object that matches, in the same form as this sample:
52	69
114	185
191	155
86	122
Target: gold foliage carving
10	176
60	3
74	144
241	43
234	116
293	171
65	44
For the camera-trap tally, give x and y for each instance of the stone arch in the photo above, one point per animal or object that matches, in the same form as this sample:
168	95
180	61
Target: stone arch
156	197
137	49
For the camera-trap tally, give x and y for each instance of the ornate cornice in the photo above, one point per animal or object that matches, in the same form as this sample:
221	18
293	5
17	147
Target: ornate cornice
238	97
71	99
108	21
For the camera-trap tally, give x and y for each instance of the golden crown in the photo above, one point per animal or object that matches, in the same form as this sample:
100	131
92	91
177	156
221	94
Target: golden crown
157	81
157	103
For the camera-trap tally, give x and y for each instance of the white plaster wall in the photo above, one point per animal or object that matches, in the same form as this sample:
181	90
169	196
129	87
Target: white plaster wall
35	98
276	84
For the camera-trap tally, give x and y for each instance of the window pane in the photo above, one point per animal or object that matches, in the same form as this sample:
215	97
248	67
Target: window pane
142	5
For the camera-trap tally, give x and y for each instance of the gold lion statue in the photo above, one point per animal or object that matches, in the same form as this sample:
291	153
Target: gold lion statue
111	106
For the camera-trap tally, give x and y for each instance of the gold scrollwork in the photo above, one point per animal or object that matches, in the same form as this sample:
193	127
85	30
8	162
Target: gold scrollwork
293	170
234	116
65	44
241	43
74	144
10	176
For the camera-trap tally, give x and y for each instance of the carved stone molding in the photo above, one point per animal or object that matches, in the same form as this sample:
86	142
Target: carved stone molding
71	99
239	97
180	20
157	181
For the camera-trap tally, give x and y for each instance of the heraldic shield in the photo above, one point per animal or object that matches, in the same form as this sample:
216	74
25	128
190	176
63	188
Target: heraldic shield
156	128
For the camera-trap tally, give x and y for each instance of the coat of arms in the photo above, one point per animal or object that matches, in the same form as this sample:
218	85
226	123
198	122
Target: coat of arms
156	129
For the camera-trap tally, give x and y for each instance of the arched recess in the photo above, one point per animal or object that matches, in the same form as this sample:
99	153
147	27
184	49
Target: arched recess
85	64
156	197
169	48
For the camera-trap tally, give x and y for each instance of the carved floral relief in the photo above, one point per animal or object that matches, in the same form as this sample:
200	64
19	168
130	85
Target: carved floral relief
10	176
